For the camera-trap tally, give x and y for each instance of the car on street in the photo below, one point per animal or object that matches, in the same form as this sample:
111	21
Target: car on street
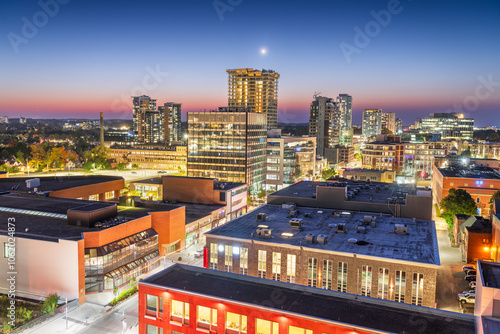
470	273
469	291
468	267
161	172
467	298
470	278
198	253
472	284
134	172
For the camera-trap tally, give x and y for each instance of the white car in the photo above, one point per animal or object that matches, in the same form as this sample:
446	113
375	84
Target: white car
467	298
472	284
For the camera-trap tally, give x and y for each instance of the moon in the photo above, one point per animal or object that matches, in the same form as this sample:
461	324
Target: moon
263	51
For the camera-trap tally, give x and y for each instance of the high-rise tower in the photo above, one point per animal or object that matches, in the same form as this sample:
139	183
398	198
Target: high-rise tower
344	105
142	105
256	90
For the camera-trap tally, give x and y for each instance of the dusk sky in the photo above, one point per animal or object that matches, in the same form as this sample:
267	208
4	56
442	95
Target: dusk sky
91	56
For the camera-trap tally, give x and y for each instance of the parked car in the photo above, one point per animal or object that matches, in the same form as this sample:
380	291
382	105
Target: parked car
161	172
468	267
469	291
472	284
470	278
470	272
134	172
198	253
467	298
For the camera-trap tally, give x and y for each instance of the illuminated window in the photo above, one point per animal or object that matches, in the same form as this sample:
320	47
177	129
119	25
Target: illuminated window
383	283
262	263
213	256
236	323
399	291
312	272
276	266
342	277
179	312
327	274
291	261
243	261
417	290
207	318
154	305
266	327
228	258
366	281
298	330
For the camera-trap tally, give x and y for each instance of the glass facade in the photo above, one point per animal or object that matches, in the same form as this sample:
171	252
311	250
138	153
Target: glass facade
116	263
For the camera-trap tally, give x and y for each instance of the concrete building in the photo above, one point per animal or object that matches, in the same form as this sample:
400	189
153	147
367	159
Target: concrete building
339	154
372	123
23	120
91	187
288	159
142	105
185	299
419	157
344	105
171	114
256	90
479	149
449	125
401	200
399	126
346	251
386	152
487	306
4	120
151	157
324	123
388	121
229	145
372	175
75	247
480	182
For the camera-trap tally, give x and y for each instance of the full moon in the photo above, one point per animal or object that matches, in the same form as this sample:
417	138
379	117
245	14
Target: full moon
263	51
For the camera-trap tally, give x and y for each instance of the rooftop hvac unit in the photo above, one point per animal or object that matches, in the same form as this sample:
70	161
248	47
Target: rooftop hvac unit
373	224
261	217
307	215
369	219
292	213
352	240
32	183
400	228
296	223
320	212
361	229
264	232
322	239
335	213
333	225
310	238
341	228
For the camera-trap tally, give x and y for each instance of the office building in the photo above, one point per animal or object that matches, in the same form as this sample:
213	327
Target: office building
4	120
324	123
449	125
386	152
186	299
346	251
487	298
344	105
171	113
372	123
479	182
420	157
256	90
399	126
339	154
151	156
388	121
372	175
480	149
288	159
142	105
22	120
228	144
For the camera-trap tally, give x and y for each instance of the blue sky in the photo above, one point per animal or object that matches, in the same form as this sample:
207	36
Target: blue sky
92	56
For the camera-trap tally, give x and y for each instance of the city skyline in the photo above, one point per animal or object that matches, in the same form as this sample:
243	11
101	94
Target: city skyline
80	61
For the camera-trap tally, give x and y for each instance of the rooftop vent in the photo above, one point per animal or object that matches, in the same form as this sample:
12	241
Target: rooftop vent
369	219
264	232
322	239
32	183
320	212
289	206
352	240
296	223
401	229
307	215
293	213
310	238
341	228
261	217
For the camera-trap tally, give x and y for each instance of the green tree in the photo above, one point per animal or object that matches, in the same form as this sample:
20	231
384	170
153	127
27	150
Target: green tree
467	153
328	173
458	201
50	303
496	195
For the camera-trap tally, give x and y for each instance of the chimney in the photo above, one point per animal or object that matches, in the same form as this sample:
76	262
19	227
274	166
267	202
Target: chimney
101	123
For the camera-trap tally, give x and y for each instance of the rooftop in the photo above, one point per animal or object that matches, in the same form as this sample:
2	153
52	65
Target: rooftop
321	304
365	170
49	183
486	173
153	180
490	274
419	244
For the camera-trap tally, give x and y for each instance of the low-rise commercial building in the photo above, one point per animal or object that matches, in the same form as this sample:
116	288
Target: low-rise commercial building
152	156
386	152
372	175
419	157
185	299
487	306
378	256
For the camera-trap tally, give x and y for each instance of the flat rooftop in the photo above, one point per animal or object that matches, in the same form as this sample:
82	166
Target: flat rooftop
322	304
418	245
366	170
151	180
490	272
50	183
375	192
486	173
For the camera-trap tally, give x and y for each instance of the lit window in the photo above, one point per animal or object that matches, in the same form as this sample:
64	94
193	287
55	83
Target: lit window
266	327
244	261
236	323
291	261
228	258
383	283
262	263
207	318
213	256
154	305
342	277
312	272
399	292
327	274
276	266
417	290
298	330
180	312
366	281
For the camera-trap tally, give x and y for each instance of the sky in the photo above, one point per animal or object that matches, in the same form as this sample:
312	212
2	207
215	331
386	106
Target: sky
74	59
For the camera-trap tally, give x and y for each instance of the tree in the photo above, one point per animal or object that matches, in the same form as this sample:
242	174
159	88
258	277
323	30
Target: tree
386	131
328	173
357	156
458	201
493	136
38	154
496	195
467	153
